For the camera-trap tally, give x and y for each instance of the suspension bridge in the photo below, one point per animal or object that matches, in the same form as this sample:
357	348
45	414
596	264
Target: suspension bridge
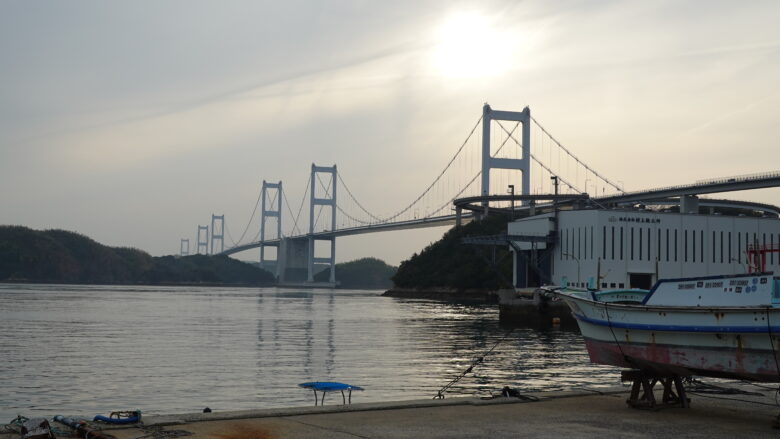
501	150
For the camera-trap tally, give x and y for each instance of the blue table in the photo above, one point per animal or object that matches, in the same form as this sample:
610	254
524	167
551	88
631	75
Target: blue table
329	386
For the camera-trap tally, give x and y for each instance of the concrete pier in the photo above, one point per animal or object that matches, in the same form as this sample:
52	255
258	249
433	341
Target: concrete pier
583	414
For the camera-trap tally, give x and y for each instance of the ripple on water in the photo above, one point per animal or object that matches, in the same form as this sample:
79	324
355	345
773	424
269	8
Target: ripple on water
83	350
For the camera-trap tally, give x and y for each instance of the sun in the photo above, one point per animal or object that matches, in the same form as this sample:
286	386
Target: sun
469	46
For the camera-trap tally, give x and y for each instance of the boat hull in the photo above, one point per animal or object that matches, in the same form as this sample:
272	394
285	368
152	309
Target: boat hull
739	343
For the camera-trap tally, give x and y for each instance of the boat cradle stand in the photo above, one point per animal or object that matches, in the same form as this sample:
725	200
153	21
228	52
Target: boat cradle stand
644	381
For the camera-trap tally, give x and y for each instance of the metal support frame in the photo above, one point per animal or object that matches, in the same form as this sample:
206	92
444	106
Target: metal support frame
673	390
488	162
328	201
184	247
218	236
204	242
273	212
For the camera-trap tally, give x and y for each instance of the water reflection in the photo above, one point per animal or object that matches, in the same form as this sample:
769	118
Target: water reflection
172	350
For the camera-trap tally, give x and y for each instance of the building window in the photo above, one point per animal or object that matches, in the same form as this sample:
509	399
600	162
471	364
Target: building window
579	242
585	243
639	232
613	243
591	242
685	246
632	243
667	245
604	284
658	246
739	246
612	285
675	245
713	246
604	243
701	245
648	243
621	243
621	285
721	246
693	246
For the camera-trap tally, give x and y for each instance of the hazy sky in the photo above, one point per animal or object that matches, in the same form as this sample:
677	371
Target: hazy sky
133	122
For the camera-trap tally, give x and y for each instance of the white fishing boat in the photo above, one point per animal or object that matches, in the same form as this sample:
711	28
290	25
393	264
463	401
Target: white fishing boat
718	326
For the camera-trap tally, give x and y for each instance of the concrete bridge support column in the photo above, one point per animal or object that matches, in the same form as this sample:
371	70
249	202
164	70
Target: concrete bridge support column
328	200
272	211
217	233
489	162
203	239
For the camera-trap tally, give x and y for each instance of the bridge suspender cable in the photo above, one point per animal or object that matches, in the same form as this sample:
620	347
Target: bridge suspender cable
575	157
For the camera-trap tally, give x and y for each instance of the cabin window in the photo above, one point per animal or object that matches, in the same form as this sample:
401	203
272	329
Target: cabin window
621	243
612	285
621	285
693	245
604	284
604	243
721	246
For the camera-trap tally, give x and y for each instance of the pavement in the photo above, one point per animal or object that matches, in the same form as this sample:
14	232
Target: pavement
578	414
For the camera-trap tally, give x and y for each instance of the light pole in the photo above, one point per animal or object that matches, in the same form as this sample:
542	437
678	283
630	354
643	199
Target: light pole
578	266
512	202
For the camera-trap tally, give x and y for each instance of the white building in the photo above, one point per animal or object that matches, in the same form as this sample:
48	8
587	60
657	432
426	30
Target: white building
635	248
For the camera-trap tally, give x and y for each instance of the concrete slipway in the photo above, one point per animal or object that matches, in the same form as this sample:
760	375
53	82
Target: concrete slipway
582	414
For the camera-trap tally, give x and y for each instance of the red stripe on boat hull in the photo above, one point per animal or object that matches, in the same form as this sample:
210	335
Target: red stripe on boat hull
686	360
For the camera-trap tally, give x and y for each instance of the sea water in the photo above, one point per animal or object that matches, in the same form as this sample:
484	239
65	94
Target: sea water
85	350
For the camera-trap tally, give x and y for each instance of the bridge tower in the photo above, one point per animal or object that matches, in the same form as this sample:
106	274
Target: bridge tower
203	239
273	212
184	247
217	236
327	201
522	164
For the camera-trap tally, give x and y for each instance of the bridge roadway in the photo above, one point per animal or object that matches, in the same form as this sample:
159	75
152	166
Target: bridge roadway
727	184
445	220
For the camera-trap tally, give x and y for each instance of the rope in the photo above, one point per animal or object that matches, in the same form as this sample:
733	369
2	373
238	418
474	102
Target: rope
474	363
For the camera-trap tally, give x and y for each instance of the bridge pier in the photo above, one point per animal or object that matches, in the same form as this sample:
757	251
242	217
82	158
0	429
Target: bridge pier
273	212
328	200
